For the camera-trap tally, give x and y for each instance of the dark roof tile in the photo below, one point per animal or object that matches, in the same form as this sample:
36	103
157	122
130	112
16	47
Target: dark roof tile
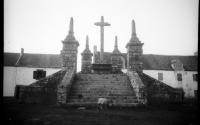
10	59
33	60
160	62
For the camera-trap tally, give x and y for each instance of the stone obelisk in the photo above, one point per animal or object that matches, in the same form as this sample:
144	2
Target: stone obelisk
102	24
134	47
69	50
86	57
116	46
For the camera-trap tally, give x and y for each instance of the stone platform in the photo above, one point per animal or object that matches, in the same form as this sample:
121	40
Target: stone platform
102	68
93	86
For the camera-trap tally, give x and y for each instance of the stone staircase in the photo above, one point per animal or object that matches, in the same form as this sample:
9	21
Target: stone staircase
93	86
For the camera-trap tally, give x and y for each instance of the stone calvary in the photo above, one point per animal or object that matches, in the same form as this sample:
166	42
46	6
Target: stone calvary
117	77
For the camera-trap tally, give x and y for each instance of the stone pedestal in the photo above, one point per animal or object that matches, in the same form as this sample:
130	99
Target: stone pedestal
102	68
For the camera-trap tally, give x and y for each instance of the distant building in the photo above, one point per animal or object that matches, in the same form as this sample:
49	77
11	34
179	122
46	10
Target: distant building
196	53
175	71
25	68
131	78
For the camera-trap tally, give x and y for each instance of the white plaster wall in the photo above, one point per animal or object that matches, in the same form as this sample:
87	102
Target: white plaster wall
170	78
7	80
24	76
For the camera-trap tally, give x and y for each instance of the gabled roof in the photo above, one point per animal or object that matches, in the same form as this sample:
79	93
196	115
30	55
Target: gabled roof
150	61
10	59
159	62
163	62
33	60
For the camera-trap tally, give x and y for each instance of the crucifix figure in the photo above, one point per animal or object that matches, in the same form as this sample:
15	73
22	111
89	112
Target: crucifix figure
102	24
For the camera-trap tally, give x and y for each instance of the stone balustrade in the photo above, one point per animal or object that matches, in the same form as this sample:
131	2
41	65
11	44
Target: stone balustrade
138	87
161	93
41	91
54	79
64	87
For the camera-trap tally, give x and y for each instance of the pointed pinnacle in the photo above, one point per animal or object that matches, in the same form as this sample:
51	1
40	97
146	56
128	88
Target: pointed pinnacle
71	26
87	42
116	46
133	28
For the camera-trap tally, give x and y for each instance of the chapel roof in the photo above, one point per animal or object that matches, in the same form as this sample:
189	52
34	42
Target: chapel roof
33	60
150	61
159	62
10	59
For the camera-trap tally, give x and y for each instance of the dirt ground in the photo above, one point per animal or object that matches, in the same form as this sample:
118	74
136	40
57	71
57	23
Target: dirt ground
34	114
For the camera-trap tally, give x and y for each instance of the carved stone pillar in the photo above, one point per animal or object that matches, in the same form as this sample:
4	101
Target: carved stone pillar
116	57
86	58
134	52
69	51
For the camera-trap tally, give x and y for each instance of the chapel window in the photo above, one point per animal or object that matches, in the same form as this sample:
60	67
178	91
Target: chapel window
160	76
179	77
195	77
196	93
38	74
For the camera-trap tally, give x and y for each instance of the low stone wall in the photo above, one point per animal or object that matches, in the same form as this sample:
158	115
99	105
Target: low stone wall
64	87
43	91
37	95
138	87
159	92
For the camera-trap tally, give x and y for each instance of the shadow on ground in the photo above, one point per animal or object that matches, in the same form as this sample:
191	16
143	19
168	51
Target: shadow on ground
34	114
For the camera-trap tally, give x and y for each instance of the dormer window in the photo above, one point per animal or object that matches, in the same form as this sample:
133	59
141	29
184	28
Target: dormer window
177	65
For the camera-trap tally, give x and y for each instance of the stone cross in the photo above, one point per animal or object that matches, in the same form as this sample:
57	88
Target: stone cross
102	24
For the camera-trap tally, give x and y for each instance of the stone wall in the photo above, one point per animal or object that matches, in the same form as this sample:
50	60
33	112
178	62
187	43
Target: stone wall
41	91
138	87
188	84
64	87
22	76
159	92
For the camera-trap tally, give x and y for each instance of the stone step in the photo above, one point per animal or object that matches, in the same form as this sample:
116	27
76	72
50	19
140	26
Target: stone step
92	90
88	90
102	85
96	87
102	94
95	100
94	104
101	78
100	75
108	97
102	82
94	93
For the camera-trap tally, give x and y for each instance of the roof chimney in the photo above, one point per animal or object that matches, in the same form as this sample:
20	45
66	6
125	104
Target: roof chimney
22	51
196	53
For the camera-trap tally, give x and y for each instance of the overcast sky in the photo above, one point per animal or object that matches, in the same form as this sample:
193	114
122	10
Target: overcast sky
167	27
